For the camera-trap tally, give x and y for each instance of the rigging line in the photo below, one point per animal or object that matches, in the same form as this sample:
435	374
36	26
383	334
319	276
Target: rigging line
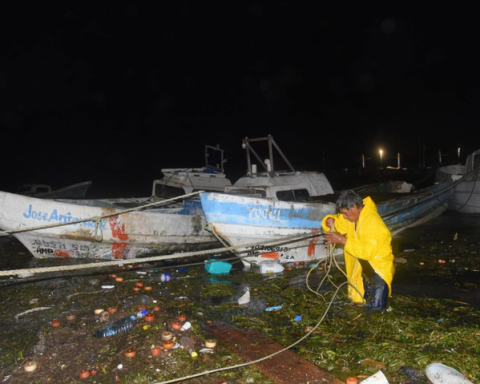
452	185
95	218
134	261
397	211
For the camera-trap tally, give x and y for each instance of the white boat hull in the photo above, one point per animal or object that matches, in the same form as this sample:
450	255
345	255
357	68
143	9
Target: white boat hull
283	249
263	229
123	236
466	198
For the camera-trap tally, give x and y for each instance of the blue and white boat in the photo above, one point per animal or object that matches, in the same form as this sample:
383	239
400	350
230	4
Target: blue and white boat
264	229
277	215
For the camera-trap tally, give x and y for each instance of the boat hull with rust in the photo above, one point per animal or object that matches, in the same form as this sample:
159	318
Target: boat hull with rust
51	228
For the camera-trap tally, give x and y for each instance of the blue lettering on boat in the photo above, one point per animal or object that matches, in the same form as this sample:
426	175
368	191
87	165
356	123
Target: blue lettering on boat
54	216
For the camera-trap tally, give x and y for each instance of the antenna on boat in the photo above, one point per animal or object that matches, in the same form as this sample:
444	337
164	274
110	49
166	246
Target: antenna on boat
268	164
213	150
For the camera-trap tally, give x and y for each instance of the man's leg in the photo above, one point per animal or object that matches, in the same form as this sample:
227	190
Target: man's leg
379	294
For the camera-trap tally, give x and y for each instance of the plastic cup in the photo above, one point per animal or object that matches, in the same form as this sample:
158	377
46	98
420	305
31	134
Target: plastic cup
377	378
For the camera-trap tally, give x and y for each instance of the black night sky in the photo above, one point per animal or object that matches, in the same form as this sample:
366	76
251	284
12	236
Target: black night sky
112	92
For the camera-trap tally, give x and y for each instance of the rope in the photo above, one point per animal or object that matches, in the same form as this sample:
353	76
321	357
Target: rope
265	357
330	260
122	262
432	195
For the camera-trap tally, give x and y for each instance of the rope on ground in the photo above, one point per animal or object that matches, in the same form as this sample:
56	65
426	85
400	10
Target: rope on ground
262	358
121	262
31	310
330	260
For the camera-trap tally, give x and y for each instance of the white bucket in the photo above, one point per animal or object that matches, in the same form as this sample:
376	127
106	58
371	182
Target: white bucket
377	378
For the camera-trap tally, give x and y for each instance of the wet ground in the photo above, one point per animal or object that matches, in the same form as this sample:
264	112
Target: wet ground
436	290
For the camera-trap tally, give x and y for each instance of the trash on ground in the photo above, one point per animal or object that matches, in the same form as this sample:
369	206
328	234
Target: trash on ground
120	326
245	299
268	267
273	308
377	378
439	373
218	267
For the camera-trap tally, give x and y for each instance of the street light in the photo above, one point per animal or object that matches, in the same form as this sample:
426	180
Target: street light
381	156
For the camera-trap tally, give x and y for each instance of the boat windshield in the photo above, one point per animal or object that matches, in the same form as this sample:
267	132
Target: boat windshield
293	195
167	191
247	192
24	189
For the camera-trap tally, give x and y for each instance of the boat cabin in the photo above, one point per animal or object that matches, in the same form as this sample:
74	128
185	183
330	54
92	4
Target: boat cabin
288	185
282	186
33	189
181	181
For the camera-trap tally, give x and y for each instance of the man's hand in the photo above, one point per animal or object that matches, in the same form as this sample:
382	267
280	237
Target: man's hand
330	222
334	238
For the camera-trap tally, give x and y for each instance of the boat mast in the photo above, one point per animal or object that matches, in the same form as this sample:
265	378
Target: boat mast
248	147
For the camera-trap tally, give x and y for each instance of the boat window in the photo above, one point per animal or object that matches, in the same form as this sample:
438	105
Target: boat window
24	189
168	192
301	195
293	195
247	192
42	189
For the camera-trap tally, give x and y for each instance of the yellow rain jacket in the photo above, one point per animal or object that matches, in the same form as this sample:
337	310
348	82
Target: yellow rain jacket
370	240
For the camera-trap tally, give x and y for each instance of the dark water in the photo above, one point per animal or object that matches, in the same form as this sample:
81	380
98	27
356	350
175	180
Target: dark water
452	237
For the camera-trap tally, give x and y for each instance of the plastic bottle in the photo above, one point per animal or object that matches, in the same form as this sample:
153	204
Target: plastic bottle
141	314
129	302
120	326
271	267
186	325
164	277
187	344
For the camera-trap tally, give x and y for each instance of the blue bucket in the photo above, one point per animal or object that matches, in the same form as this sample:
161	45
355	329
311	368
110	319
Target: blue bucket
218	267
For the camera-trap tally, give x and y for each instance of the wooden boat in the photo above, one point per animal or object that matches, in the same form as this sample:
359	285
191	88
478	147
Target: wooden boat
466	196
112	228
44	191
118	236
263	227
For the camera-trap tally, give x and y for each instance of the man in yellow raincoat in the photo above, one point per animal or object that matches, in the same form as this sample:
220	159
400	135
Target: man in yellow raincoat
369	261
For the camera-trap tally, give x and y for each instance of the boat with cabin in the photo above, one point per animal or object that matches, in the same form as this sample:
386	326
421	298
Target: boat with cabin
117	228
278	215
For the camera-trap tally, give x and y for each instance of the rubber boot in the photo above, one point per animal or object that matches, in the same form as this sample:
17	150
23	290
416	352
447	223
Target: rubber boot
379	294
